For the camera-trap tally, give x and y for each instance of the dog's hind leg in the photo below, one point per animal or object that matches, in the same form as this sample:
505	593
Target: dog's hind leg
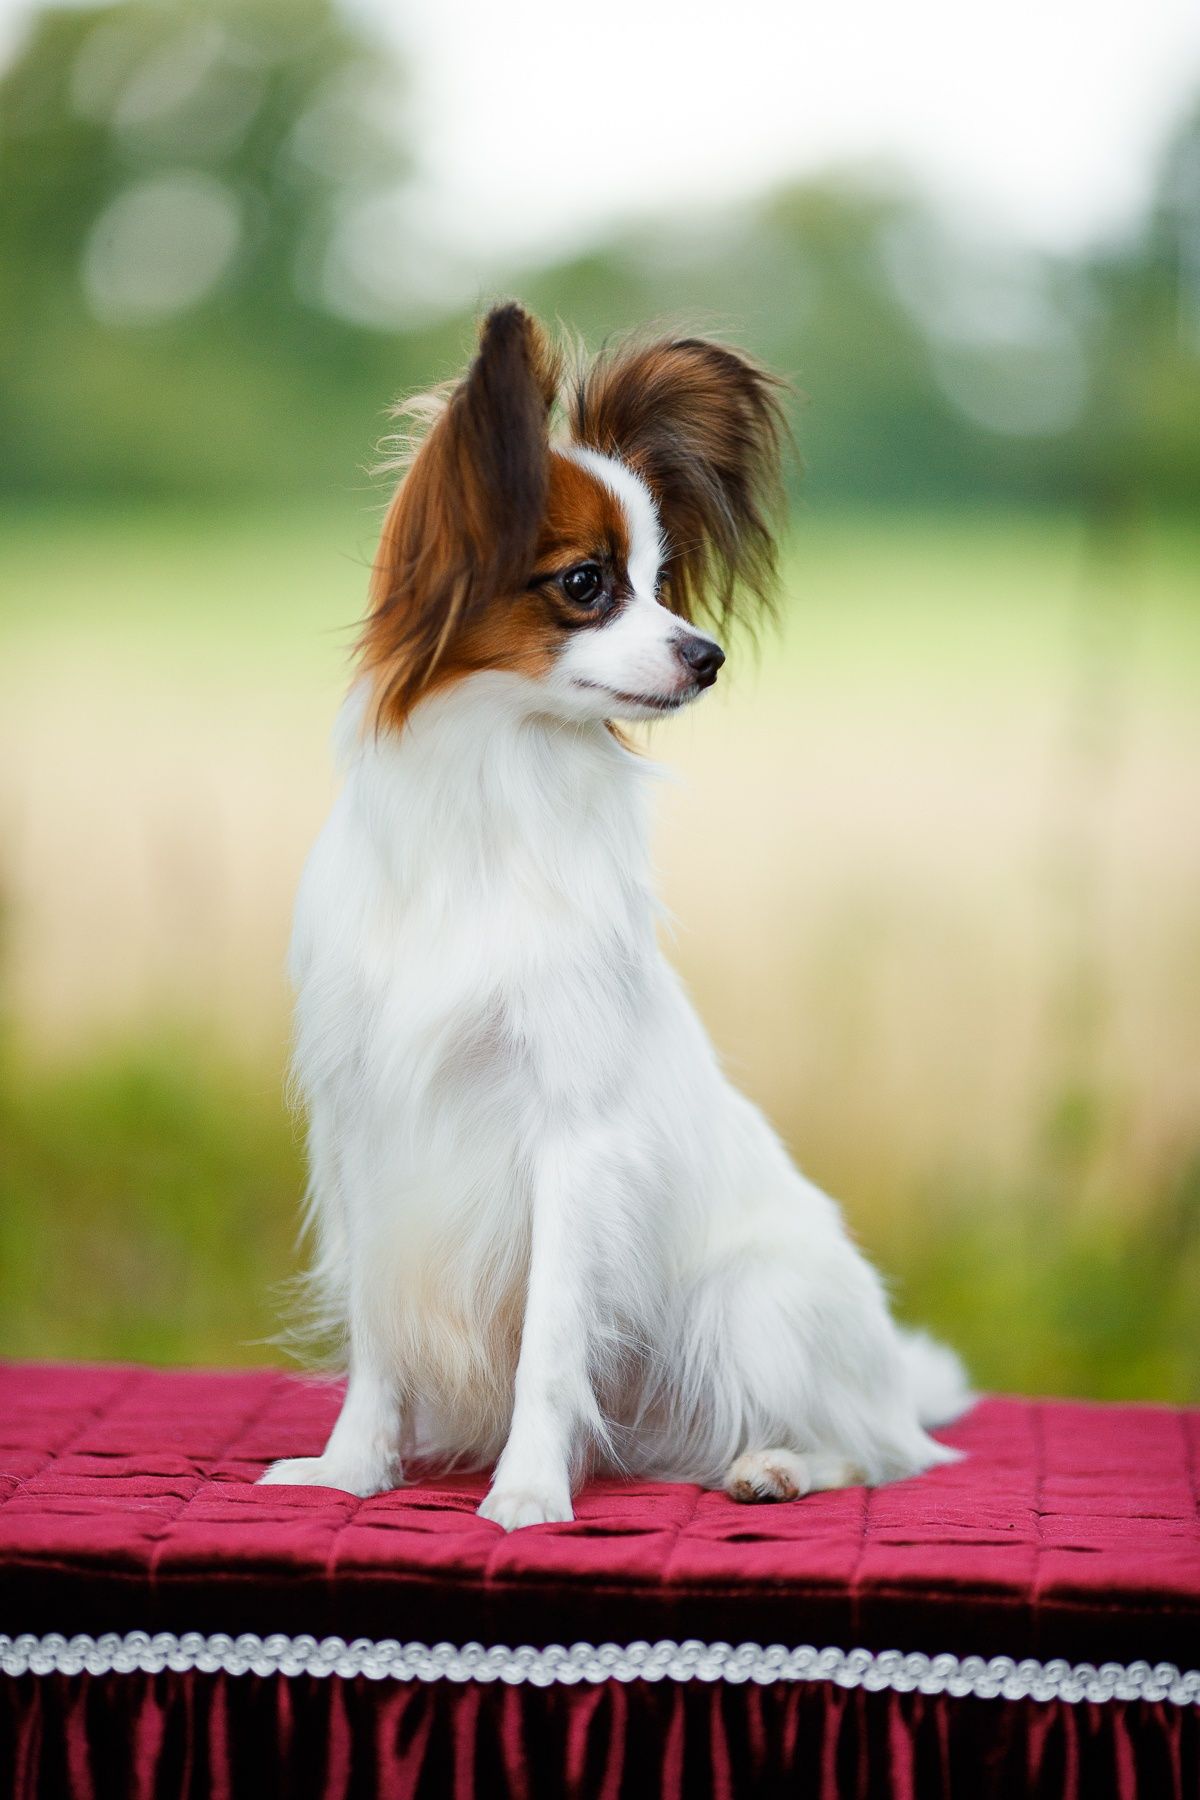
795	1376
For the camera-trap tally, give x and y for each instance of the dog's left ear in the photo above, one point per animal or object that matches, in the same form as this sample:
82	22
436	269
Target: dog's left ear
703	425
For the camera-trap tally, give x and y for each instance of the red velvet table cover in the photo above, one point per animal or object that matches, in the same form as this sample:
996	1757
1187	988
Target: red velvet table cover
127	1503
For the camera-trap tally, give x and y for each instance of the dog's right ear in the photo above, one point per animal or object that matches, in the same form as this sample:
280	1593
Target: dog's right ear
463	525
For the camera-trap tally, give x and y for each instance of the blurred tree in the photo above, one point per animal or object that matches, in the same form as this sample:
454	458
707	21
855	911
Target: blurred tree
1140	439
175	173
212	279
819	280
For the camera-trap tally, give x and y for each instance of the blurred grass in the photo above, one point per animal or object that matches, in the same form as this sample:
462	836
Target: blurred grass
148	1201
934	863
147	1208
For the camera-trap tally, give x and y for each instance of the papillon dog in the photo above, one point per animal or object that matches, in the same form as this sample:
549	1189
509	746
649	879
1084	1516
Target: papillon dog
554	1237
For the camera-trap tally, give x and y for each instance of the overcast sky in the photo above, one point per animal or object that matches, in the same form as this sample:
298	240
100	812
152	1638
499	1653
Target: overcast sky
541	120
542	117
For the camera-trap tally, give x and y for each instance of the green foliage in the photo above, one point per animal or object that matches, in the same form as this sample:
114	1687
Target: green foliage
269	137
125	132
1045	1298
147	1207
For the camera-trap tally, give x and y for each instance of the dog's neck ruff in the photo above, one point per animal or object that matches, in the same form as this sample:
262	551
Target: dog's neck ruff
483	783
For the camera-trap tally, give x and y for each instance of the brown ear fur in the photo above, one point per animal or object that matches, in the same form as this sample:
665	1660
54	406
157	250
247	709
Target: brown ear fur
463	525
703	425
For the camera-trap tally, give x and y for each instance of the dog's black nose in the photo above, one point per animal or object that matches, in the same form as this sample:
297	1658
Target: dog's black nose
702	657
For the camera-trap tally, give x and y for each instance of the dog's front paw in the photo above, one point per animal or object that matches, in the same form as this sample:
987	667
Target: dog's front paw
513	1507
331	1472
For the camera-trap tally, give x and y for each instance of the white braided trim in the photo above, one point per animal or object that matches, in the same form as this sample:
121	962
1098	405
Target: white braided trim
998	1677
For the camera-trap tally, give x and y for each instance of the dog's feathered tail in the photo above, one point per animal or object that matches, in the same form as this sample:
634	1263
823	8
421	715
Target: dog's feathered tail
937	1379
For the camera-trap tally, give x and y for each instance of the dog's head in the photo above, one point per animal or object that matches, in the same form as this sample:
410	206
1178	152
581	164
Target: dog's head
579	561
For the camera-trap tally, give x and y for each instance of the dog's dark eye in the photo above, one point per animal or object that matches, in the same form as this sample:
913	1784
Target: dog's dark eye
583	584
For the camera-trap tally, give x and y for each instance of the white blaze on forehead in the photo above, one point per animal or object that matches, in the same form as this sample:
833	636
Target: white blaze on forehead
641	514
632	667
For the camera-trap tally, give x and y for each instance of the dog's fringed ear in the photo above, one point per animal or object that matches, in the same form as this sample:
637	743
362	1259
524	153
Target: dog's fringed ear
703	425
463	525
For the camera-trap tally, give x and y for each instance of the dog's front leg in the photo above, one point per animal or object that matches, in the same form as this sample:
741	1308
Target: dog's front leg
363	1453
553	1401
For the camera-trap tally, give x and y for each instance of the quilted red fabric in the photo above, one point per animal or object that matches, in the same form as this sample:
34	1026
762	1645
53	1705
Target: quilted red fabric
127	1501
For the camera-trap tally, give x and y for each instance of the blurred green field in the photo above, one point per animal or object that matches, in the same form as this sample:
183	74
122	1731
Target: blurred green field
933	859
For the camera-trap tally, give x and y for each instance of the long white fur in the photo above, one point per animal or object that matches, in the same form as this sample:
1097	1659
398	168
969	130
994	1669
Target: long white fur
554	1234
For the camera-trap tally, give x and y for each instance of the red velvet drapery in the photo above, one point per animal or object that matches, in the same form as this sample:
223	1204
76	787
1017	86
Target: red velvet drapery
163	1737
127	1503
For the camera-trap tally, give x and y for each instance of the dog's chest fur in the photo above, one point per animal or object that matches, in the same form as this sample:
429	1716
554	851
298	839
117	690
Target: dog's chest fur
475	961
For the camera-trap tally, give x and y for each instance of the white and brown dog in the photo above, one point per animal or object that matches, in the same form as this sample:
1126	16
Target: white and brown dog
554	1236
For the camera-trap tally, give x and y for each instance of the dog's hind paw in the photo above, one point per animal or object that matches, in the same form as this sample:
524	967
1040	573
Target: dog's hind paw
785	1475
